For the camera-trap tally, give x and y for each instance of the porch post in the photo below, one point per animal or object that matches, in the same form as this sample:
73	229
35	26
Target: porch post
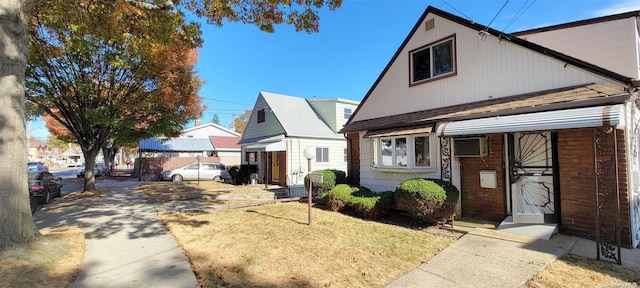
445	159
608	241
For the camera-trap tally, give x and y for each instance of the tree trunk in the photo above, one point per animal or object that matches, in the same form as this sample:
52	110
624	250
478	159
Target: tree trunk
16	222
89	165
109	154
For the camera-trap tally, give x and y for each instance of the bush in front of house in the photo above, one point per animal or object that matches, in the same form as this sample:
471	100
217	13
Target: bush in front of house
241	174
358	201
372	205
427	200
328	180
338	197
341	176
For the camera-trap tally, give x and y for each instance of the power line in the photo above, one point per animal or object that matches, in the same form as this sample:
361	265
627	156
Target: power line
494	17
454	8
518	14
225	101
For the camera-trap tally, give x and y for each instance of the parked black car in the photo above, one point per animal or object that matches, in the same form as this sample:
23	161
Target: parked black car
44	186
33	202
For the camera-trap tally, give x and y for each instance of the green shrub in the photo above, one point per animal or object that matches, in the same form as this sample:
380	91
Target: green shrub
427	200
371	205
360	202
336	198
328	181
452	191
341	176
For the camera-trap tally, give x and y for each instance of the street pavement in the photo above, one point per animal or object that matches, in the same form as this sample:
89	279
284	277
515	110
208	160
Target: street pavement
126	244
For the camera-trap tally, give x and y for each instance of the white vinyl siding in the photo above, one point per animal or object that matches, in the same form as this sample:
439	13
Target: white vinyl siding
206	130
612	45
297	164
482	65
332	111
270	127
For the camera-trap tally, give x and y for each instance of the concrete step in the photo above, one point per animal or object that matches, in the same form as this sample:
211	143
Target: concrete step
543	231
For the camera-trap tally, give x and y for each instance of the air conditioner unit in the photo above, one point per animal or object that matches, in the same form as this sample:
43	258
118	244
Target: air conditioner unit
470	147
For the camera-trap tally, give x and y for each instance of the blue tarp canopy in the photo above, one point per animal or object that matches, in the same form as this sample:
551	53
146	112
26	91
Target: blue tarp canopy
175	145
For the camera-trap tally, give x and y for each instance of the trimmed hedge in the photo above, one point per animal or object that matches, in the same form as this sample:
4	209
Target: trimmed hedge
329	180
427	200
359	201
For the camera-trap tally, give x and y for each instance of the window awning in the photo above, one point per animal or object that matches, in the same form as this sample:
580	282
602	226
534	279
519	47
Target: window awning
271	146
399	131
599	116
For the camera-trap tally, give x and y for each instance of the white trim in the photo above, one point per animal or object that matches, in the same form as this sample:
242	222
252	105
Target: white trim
268	147
541	121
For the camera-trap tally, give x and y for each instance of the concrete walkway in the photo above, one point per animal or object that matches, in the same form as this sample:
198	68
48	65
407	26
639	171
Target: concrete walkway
127	245
485	257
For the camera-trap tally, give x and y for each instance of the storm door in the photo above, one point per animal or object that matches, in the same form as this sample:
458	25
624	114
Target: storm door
533	177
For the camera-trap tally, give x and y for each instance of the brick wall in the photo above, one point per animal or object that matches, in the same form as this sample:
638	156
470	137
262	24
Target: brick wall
577	195
353	159
484	203
577	184
625	195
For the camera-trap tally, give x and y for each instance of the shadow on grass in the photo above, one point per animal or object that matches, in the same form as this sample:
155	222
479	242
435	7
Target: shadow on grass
183	220
235	273
277	217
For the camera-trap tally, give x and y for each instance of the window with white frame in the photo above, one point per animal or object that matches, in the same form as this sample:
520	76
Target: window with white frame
322	155
406	152
347	113
375	156
432	61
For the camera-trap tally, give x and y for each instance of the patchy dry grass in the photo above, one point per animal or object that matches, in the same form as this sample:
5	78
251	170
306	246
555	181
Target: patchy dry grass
576	271
272	246
159	192
53	260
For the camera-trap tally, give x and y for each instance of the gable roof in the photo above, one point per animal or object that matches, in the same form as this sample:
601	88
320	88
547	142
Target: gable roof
175	145
214	125
349	126
578	23
223	142
297	117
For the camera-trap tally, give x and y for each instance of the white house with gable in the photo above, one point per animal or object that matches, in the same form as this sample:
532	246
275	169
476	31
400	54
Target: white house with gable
281	127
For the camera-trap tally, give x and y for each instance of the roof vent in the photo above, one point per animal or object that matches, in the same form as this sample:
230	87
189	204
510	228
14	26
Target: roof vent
429	24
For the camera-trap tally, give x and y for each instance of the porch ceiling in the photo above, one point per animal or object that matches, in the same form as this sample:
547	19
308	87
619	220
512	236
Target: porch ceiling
273	146
586	95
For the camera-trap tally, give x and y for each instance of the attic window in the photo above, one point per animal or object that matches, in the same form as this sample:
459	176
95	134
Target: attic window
261	116
433	61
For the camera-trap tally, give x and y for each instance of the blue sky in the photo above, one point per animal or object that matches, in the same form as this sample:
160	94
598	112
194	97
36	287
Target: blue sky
354	44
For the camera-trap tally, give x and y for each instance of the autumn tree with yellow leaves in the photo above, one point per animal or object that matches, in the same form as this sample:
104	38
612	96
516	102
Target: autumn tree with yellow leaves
131	36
